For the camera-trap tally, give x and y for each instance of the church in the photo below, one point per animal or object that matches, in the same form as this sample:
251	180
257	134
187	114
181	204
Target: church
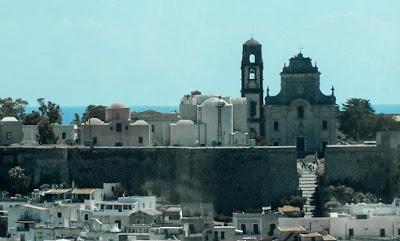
299	115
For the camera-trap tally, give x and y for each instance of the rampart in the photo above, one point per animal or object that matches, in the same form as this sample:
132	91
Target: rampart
232	178
371	168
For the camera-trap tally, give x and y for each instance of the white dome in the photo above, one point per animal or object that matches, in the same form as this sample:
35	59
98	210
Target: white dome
94	121
9	119
214	102
140	123
118	106
184	122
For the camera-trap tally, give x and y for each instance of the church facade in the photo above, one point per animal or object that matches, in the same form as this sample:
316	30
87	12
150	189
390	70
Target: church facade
299	115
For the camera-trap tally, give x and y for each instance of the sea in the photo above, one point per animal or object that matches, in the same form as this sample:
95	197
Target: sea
68	112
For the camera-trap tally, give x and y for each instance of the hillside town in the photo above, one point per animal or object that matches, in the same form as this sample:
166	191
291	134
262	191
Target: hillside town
336	192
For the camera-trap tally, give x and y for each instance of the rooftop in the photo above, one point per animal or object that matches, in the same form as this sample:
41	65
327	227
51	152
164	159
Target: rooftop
252	42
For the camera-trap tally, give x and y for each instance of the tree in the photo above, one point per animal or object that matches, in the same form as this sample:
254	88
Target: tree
46	132
356	119
51	110
15	108
18	180
32	118
94	111
76	120
120	190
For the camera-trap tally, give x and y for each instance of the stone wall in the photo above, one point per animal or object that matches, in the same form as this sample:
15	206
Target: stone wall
232	178
371	168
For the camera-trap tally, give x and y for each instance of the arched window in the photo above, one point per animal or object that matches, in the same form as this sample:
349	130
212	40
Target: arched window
252	58
252	74
300	112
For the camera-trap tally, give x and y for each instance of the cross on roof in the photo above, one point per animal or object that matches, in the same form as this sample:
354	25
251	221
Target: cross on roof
300	49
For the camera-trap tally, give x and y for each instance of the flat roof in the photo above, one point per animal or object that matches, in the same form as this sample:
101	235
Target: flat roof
58	191
83	191
291	229
310	235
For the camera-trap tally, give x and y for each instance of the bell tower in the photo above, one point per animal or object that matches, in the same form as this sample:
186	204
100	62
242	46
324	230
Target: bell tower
252	86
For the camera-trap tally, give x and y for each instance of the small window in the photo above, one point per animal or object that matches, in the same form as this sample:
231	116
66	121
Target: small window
86	216
118	127
59	214
252	58
324	125
9	135
243	228
153	128
300	112
111	128
126	127
140	139
63	135
276	126
351	232
252	74
109	207
117	116
222	235
275	143
312	238
382	232
255	229
112	189
95	140
324	144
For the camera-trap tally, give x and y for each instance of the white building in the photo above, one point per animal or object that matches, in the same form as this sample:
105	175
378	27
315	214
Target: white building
65	134
348	227
10	131
117	129
210	120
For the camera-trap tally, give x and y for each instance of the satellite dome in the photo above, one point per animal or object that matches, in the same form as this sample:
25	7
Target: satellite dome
251	42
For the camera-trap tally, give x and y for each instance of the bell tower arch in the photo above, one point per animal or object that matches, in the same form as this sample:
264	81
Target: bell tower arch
252	86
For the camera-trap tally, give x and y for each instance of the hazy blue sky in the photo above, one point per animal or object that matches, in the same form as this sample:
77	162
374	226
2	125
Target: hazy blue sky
78	52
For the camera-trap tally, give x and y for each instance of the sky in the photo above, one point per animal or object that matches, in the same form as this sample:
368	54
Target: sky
81	52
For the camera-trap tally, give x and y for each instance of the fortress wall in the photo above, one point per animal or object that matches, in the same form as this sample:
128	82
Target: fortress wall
364	167
232	178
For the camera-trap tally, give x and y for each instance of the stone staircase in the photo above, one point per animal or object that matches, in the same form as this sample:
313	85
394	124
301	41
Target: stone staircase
308	186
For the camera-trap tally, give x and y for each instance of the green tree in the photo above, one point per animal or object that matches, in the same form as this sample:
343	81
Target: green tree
19	182
76	120
51	110
46	132
32	118
357	119
94	111
15	108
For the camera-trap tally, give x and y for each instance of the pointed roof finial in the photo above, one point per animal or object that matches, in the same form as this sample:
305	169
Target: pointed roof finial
315	64
267	90
300	49
333	90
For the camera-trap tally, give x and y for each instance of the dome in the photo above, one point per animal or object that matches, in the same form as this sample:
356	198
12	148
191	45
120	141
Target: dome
185	123
251	42
214	102
9	119
118	106
140	123
94	121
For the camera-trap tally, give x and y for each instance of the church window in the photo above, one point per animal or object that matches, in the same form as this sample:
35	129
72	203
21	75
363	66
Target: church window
276	126
252	58
153	128
300	112
9	135
140	139
253	108
64	135
252	74
118	127
300	128
324	125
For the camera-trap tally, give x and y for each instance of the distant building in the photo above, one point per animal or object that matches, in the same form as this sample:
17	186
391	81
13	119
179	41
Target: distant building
301	115
159	125
65	133
10	131
117	129
210	120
